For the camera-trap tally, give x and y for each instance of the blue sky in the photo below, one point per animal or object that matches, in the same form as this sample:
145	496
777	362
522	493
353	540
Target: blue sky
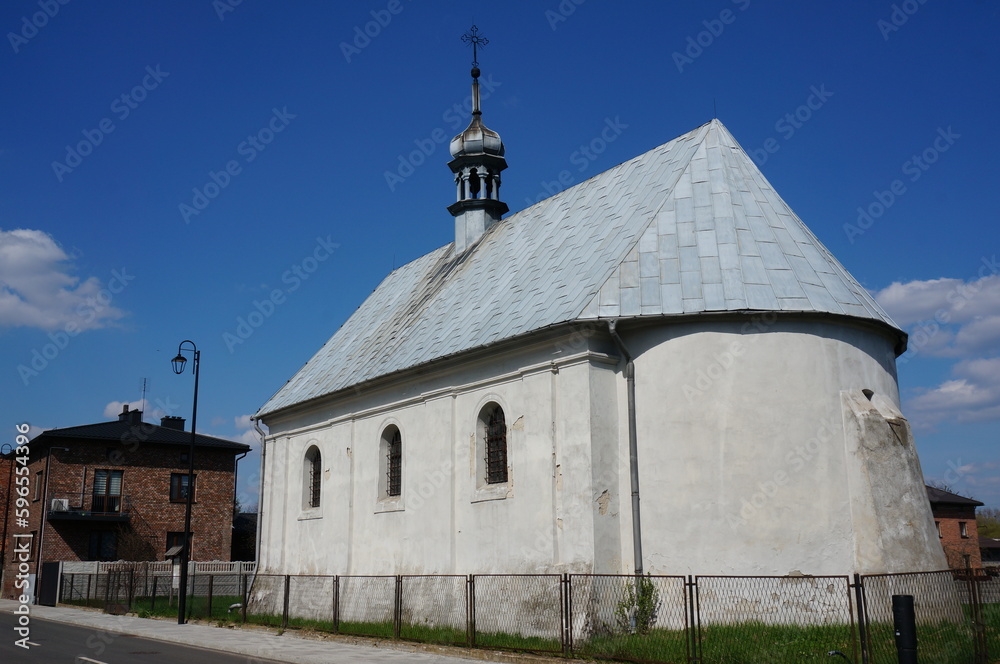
244	176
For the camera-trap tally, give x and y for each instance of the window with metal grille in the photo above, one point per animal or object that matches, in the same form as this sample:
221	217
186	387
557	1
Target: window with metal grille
313	476
394	464
496	446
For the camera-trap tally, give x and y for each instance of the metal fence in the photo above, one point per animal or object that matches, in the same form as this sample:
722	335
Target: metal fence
693	619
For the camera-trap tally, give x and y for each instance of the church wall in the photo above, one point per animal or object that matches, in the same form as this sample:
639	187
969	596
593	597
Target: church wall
745	466
542	520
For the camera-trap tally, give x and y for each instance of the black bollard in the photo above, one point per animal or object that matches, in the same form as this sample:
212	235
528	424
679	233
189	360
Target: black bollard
904	619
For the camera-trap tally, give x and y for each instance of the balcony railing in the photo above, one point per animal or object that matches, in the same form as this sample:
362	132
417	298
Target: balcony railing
87	506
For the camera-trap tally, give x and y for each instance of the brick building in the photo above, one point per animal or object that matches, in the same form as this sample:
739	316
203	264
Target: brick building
6	496
117	491
955	518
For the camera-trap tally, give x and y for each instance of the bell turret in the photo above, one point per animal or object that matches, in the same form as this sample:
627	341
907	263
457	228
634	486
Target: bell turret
477	160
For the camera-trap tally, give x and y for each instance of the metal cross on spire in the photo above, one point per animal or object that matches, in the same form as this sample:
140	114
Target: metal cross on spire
477	40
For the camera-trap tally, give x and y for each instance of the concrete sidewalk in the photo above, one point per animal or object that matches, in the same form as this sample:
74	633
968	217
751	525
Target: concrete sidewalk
264	644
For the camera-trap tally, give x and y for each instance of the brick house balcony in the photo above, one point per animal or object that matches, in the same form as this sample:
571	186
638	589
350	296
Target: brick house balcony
89	507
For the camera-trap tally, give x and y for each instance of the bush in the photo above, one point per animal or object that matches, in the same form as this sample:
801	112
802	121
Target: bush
637	609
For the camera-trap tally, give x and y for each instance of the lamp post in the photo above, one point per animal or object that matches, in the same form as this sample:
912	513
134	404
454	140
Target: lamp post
178	364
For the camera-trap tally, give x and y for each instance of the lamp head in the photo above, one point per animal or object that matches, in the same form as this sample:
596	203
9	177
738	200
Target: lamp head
178	363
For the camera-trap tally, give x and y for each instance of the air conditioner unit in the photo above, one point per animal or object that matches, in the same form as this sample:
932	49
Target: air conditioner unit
60	504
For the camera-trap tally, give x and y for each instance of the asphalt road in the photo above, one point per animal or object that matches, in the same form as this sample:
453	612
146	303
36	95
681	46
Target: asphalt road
60	642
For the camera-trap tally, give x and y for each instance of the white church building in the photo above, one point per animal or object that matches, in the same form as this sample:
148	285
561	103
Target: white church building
659	369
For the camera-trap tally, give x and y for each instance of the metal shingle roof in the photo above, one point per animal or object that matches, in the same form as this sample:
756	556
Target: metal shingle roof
691	226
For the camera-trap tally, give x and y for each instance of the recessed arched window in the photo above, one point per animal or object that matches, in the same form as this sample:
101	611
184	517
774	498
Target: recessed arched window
493	430
391	451
312	477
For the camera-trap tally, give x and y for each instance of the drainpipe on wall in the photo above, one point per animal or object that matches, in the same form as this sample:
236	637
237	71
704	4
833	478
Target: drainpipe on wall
633	448
236	481
260	491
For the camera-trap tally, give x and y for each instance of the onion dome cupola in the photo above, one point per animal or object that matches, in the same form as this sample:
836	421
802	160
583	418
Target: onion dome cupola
477	160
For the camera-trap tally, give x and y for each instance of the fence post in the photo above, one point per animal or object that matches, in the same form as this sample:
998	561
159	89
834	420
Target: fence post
978	621
472	610
905	622
107	587
87	600
284	610
566	611
397	614
211	582
152	600
859	593
690	638
131	587
244	597
336	603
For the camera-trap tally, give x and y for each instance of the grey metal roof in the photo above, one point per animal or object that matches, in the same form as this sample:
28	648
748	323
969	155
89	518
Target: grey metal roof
689	227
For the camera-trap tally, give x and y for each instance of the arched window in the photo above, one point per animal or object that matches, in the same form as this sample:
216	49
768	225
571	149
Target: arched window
493	429
312	477
392	462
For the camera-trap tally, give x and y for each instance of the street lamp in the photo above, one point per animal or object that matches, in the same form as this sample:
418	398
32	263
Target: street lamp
178	364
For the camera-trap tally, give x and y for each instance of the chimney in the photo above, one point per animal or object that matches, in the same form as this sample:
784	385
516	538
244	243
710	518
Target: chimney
130	416
172	422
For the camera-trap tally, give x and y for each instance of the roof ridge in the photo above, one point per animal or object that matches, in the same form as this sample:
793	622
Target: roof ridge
668	191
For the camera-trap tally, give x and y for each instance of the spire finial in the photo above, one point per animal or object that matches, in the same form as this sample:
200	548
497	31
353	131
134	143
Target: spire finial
477	40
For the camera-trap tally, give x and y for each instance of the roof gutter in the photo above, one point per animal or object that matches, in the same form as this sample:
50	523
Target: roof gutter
633	446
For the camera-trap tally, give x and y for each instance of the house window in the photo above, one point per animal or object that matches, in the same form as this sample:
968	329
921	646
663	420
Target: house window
179	487
493	428
107	492
937	524
38	485
967	559
103	545
963	529
391	463
177	539
312	477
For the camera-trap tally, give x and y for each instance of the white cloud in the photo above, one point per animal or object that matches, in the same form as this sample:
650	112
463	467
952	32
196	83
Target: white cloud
248	434
949	301
946	317
971	395
38	290
959	319
150	413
